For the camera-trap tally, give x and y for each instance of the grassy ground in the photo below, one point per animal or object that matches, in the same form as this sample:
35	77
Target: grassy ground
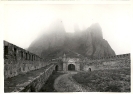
49	85
116	80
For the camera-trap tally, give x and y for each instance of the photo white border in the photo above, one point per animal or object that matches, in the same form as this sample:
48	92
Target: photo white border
5	2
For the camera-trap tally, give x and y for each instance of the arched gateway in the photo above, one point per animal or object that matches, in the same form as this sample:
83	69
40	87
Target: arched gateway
56	68
71	67
70	63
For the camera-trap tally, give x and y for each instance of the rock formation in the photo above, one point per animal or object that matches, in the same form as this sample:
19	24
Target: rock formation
54	38
96	46
56	42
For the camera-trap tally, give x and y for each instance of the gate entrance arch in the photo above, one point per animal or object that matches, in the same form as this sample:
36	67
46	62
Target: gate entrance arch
56	68
71	67
89	69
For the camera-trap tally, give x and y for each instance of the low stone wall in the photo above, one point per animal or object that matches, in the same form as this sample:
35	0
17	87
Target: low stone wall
28	82
39	81
18	60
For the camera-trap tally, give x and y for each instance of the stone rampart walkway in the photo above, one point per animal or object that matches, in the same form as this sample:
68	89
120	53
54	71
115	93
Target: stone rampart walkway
15	84
65	83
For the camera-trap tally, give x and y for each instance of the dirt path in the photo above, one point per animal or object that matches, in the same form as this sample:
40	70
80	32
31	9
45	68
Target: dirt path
49	85
65	83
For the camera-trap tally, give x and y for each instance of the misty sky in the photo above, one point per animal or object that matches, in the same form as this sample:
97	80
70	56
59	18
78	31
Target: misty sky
23	23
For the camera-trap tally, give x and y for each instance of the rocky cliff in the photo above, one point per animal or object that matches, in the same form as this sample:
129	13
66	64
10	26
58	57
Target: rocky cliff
53	38
56	42
96	46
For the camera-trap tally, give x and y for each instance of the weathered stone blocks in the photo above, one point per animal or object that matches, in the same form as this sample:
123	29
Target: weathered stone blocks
113	62
18	60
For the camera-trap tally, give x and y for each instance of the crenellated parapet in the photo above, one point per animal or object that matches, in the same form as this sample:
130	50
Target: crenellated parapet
18	60
14	52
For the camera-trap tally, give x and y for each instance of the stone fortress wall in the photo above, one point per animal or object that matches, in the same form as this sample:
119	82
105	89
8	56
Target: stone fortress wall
18	60
110	62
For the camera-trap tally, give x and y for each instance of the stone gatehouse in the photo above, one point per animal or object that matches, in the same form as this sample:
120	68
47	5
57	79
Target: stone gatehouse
69	64
77	63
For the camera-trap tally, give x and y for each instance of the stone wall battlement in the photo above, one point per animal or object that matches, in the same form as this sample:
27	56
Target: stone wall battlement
114	62
14	52
121	56
18	60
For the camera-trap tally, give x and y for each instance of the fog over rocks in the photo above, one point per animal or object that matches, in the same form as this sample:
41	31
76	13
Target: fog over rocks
57	41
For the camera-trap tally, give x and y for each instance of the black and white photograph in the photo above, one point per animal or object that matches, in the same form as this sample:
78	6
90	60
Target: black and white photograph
67	47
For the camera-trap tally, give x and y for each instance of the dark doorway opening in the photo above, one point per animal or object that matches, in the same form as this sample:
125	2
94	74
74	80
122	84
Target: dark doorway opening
71	67
89	69
56	68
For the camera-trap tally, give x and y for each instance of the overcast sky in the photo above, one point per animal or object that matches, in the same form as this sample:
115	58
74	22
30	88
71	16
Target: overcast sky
23	23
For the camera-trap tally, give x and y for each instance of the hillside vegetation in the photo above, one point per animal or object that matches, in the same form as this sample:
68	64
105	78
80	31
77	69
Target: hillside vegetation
116	80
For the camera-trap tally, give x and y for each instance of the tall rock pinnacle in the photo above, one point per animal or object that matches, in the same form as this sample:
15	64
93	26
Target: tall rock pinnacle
89	42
